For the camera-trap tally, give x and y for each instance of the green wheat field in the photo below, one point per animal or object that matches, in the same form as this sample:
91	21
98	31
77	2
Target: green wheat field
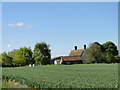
63	76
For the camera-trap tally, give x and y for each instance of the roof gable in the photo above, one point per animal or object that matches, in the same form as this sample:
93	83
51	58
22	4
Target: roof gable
71	58
76	52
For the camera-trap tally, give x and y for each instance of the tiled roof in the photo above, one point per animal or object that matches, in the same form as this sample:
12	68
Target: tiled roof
70	58
76	52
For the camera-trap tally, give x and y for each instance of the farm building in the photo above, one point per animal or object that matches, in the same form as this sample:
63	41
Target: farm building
73	58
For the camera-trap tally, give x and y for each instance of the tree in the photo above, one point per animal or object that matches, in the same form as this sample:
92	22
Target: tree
42	53
0	60
106	53
109	57
22	56
39	59
95	53
13	53
111	48
27	54
117	59
5	59
111	52
19	59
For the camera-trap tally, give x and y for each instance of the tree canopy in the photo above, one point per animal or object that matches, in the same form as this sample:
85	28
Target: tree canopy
110	47
94	52
5	59
22	56
105	53
42	53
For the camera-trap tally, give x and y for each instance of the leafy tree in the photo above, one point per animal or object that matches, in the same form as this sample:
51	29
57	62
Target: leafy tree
111	52
19	59
110	47
5	59
27	54
39	59
117	59
42	53
95	53
0	60
106	53
13	53
109	58
22	56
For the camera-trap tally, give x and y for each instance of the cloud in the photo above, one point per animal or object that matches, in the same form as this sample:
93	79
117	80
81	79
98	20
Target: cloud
19	24
30	26
8	45
11	25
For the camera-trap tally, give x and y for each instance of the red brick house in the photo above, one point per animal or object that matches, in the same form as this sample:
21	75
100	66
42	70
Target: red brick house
73	58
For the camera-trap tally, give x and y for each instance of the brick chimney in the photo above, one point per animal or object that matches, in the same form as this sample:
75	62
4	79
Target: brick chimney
85	47
75	47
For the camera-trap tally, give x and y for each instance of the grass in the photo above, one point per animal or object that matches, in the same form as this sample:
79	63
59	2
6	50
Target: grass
65	76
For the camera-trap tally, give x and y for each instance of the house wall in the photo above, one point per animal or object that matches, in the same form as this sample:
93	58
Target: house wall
72	62
56	62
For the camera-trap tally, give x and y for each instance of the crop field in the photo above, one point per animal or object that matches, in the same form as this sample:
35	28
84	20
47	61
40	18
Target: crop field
11	85
65	76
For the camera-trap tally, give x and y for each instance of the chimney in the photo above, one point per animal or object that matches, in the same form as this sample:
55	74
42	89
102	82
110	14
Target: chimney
85	47
75	47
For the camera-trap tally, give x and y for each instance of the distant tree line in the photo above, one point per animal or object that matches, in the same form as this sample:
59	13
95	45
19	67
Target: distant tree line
24	56
102	53
41	55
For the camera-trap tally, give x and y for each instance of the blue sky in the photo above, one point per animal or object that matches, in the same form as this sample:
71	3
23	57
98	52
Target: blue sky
0	27
62	25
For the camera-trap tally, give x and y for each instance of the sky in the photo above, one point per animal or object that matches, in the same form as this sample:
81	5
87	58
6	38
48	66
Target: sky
62	25
0	27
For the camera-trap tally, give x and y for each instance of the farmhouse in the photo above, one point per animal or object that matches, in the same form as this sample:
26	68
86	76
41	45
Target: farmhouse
75	57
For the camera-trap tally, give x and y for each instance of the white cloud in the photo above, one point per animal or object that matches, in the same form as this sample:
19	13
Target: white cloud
19	24
8	45
30	26
11	25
